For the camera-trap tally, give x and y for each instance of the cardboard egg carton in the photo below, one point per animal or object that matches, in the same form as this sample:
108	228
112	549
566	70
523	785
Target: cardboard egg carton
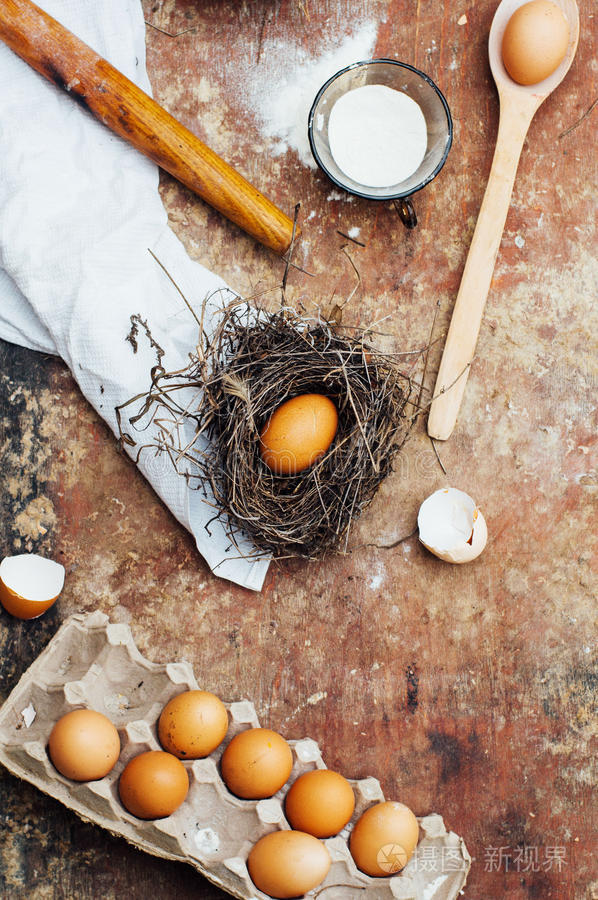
93	663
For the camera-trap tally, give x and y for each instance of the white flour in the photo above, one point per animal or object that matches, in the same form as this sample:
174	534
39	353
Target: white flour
282	88
377	135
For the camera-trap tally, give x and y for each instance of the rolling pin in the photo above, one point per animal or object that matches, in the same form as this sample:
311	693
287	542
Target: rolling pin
113	99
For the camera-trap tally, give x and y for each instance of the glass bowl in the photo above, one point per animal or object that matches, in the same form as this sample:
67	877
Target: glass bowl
401	77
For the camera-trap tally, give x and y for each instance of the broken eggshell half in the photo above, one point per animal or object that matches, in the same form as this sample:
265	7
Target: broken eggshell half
451	526
29	584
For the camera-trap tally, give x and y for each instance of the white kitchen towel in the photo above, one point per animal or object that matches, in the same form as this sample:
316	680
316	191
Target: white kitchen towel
79	211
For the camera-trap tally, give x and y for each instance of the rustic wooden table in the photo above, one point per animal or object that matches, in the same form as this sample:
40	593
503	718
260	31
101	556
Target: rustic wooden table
466	690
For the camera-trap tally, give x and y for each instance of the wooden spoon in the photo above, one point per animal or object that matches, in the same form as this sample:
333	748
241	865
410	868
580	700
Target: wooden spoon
518	104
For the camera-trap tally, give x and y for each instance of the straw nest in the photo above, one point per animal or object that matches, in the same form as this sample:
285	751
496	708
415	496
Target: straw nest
238	376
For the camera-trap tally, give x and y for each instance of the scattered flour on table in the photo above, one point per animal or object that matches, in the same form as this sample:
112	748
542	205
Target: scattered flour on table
281	89
377	579
317	698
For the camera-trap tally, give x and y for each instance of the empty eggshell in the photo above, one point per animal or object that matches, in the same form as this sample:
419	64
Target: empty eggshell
29	584
451	526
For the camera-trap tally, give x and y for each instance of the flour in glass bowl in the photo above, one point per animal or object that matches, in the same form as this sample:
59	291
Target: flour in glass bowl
377	135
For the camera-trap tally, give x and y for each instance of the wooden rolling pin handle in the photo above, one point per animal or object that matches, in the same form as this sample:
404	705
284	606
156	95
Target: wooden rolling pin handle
116	101
466	320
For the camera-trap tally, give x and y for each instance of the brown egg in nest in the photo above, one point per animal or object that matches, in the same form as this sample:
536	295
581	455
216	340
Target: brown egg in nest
298	433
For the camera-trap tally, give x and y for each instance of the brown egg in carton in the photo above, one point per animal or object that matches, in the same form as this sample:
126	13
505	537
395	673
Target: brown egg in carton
93	663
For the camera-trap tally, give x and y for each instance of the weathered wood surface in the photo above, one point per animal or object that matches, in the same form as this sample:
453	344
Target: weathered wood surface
467	690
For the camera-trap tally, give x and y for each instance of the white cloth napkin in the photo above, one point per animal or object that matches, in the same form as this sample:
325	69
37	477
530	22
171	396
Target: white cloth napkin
79	209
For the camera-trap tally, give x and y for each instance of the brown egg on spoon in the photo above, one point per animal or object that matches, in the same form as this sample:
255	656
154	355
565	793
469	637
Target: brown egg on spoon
535	41
529	58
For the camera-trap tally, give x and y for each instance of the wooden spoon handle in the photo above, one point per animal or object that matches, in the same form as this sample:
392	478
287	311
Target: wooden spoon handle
116	101
465	324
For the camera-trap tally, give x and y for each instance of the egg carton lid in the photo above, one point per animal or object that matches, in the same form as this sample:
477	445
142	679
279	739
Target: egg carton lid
93	663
